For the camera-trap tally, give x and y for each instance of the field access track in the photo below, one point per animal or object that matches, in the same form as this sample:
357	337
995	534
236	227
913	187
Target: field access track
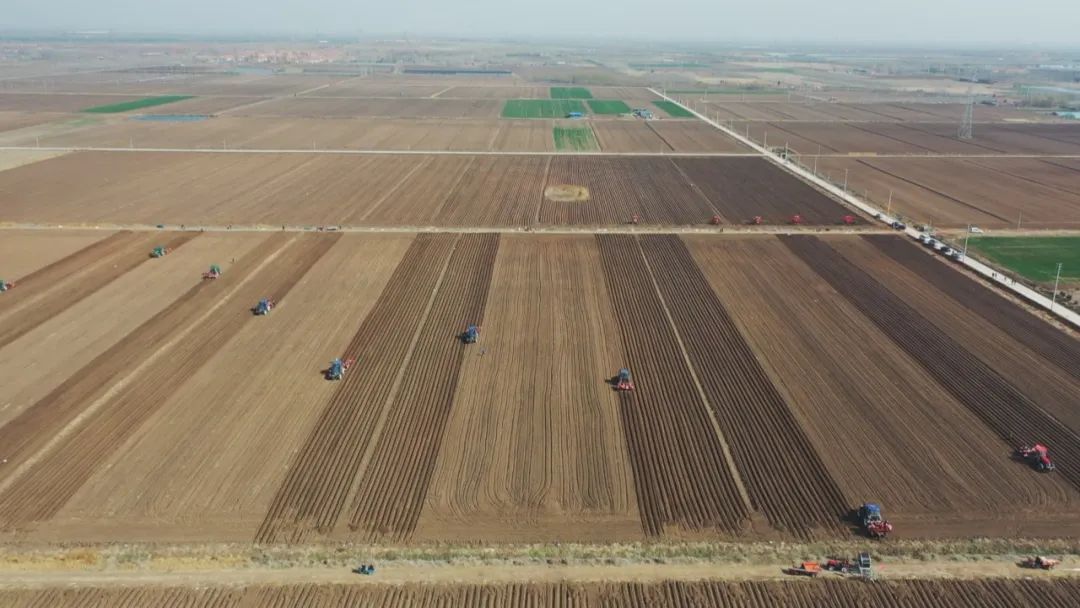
57	287
681	473
989	395
394	485
313	494
51	479
1056	592
792	486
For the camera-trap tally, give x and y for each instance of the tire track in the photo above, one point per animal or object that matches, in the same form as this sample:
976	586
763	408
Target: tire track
49	482
1054	345
1001	406
24	435
314	492
681	475
98	272
785	477
394	484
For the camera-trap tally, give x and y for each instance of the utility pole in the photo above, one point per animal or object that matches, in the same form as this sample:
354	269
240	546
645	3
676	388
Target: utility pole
1053	300
1019	218
845	179
888	208
967	235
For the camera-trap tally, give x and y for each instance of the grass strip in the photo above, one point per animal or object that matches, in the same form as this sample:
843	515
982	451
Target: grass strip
137	104
570	93
575	138
673	109
608	106
541	108
1034	258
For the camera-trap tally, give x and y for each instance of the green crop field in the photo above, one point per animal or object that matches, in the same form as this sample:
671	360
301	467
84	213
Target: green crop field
574	138
570	93
138	104
608	106
673	109
1035	258
541	108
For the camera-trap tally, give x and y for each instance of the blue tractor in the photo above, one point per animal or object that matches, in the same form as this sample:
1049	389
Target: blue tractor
337	368
264	307
872	521
624	381
471	335
4	285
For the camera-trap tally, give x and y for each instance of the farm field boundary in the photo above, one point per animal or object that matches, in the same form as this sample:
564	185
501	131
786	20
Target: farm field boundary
51	480
27	433
85	272
752	414
1034	258
1058	592
682	475
315	491
997	402
391	491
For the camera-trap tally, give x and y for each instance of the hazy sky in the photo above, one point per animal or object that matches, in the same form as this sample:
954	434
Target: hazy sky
946	22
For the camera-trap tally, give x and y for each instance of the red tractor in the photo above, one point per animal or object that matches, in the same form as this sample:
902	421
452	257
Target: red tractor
716	220
848	220
634	219
1040	562
796	219
756	220
1038	456
624	381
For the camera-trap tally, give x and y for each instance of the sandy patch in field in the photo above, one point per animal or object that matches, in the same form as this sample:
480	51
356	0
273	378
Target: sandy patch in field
566	193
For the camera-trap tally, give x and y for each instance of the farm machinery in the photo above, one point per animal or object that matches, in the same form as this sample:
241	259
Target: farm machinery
1039	562
634	219
872	521
160	252
716	220
810	569
338	367
756	220
848	220
796	220
624	381
471	334
264	307
4	285
213	273
1038	456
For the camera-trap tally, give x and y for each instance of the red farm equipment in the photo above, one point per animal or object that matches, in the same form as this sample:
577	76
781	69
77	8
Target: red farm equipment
1038	456
213	273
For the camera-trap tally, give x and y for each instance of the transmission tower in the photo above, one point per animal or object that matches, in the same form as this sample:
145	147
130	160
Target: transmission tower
966	131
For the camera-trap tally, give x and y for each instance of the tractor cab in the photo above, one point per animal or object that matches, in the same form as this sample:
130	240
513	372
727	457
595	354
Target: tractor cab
872	521
4	285
337	368
264	307
471	335
159	252
624	381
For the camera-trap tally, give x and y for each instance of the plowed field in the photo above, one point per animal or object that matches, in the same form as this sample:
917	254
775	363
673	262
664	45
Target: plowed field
534	447
273	407
956	192
404	190
1054	593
